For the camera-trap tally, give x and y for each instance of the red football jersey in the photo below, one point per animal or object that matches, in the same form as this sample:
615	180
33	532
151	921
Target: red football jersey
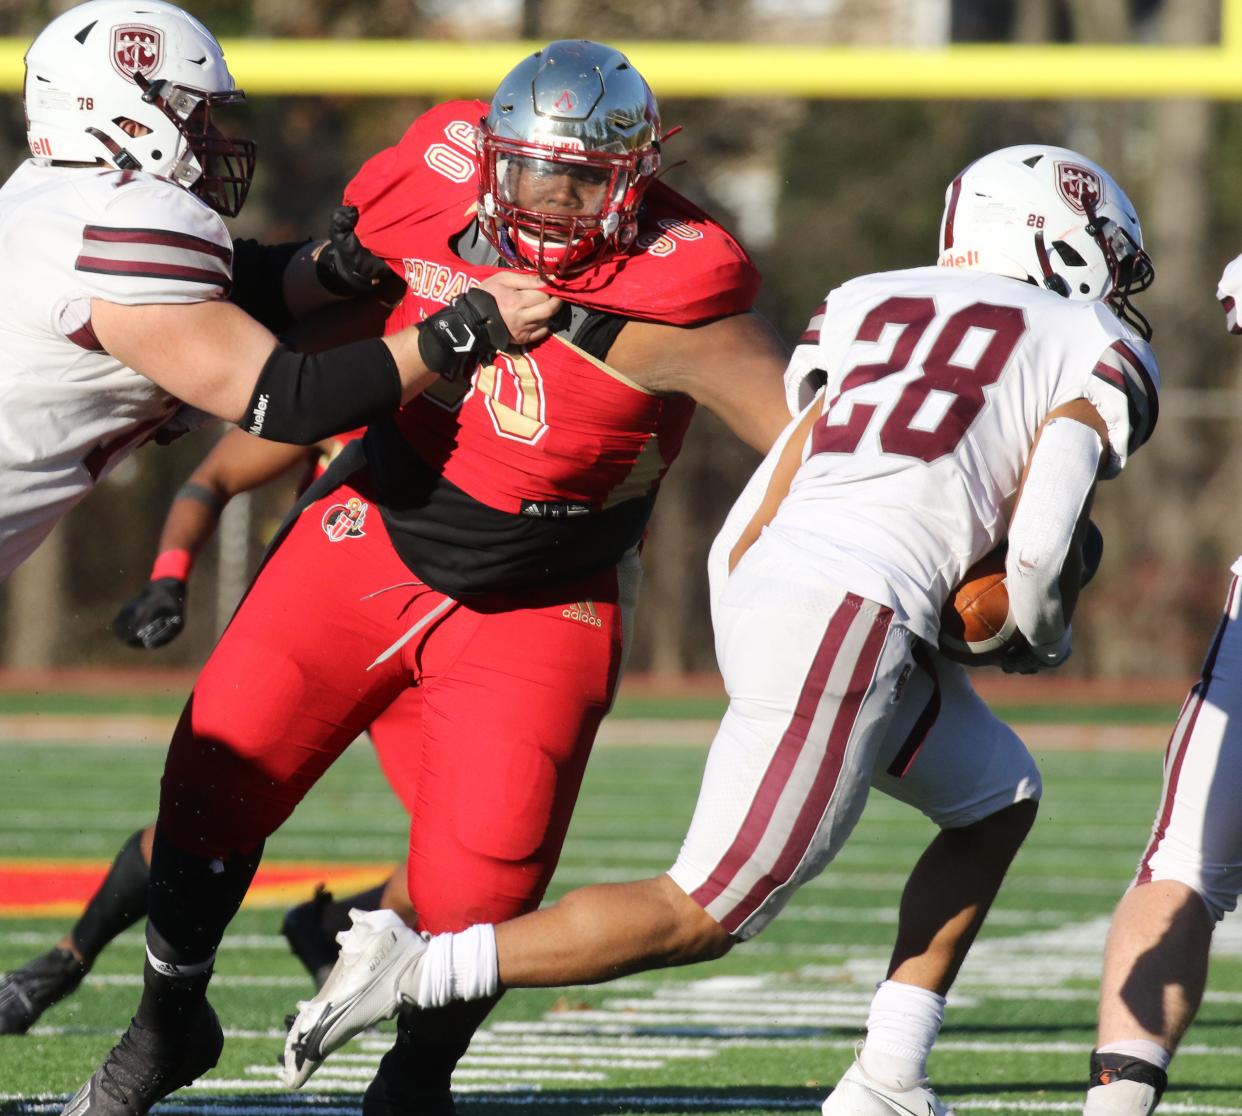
547	430
548	423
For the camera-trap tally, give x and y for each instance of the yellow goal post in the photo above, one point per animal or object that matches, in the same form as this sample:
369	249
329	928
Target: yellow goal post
440	68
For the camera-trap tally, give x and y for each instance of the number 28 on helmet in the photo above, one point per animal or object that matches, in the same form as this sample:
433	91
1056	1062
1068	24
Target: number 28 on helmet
569	145
1050	216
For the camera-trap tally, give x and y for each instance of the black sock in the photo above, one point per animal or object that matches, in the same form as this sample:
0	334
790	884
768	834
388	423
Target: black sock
192	899
120	901
335	914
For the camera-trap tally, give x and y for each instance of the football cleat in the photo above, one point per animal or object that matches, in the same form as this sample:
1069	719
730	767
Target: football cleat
378	953
28	992
857	1094
311	944
394	1090
147	1065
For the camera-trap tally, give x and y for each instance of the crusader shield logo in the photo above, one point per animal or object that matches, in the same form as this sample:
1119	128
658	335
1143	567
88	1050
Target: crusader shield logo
344	521
1079	186
137	49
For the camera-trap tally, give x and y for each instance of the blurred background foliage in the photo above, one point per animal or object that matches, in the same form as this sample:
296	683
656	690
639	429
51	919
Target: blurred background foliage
819	191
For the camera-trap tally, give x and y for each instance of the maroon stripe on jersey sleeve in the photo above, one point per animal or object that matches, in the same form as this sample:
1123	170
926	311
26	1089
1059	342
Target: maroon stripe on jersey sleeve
1134	380
84	337
1150	395
811	335
148	269
163	238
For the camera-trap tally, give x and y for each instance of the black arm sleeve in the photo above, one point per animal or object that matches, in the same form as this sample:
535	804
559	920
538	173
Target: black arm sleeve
302	397
258	281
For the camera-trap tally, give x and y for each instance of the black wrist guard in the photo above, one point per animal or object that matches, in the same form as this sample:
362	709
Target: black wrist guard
302	397
468	330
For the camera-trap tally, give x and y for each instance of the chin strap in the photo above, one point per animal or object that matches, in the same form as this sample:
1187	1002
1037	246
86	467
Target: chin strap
122	158
1052	280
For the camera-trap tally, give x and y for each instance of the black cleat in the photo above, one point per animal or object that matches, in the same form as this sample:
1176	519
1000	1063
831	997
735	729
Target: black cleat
28	992
393	1091
310	941
147	1065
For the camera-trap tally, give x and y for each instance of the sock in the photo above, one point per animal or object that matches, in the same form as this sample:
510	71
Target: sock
461	966
901	1028
335	914
171	989
193	898
1142	1049
120	901
1124	1083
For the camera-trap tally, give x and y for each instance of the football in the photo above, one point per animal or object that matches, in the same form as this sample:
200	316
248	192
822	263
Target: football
976	625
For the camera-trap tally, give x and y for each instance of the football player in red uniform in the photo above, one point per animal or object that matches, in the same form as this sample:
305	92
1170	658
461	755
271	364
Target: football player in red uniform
488	570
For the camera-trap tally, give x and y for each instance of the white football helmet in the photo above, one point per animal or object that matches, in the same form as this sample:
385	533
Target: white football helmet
134	83
576	109
1051	216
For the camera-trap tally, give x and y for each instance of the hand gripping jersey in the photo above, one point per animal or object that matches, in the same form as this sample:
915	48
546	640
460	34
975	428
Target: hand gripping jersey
934	384
69	410
546	462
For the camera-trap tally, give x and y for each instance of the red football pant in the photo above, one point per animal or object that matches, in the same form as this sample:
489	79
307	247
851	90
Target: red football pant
501	704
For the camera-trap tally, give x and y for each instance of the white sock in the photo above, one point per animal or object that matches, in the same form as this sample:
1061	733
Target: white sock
901	1028
1120	1098
1144	1049
461	966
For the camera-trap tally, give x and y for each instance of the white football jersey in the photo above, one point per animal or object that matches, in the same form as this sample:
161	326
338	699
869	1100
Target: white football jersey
68	410
934	383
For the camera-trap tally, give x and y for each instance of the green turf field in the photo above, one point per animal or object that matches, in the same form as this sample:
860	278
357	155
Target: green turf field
768	1028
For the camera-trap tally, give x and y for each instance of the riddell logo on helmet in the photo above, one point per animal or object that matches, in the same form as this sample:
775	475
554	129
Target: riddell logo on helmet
1079	186
959	259
40	147
136	49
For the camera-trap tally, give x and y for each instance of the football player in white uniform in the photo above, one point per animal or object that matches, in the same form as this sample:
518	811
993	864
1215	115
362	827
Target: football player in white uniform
115	307
1190	873
940	411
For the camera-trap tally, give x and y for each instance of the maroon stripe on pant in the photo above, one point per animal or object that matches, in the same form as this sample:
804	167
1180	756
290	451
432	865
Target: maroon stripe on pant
1189	716
781	768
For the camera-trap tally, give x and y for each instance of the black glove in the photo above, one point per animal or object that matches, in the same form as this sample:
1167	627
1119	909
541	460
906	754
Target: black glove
154	617
347	269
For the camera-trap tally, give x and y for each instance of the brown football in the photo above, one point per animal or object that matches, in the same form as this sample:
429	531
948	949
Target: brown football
976	625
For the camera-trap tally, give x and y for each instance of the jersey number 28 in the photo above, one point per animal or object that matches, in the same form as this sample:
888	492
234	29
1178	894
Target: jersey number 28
964	382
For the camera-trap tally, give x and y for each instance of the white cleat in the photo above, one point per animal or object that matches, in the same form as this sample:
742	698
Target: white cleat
364	987
857	1094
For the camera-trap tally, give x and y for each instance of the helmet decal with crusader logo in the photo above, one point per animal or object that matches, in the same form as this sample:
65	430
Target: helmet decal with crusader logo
1080	186
137	49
